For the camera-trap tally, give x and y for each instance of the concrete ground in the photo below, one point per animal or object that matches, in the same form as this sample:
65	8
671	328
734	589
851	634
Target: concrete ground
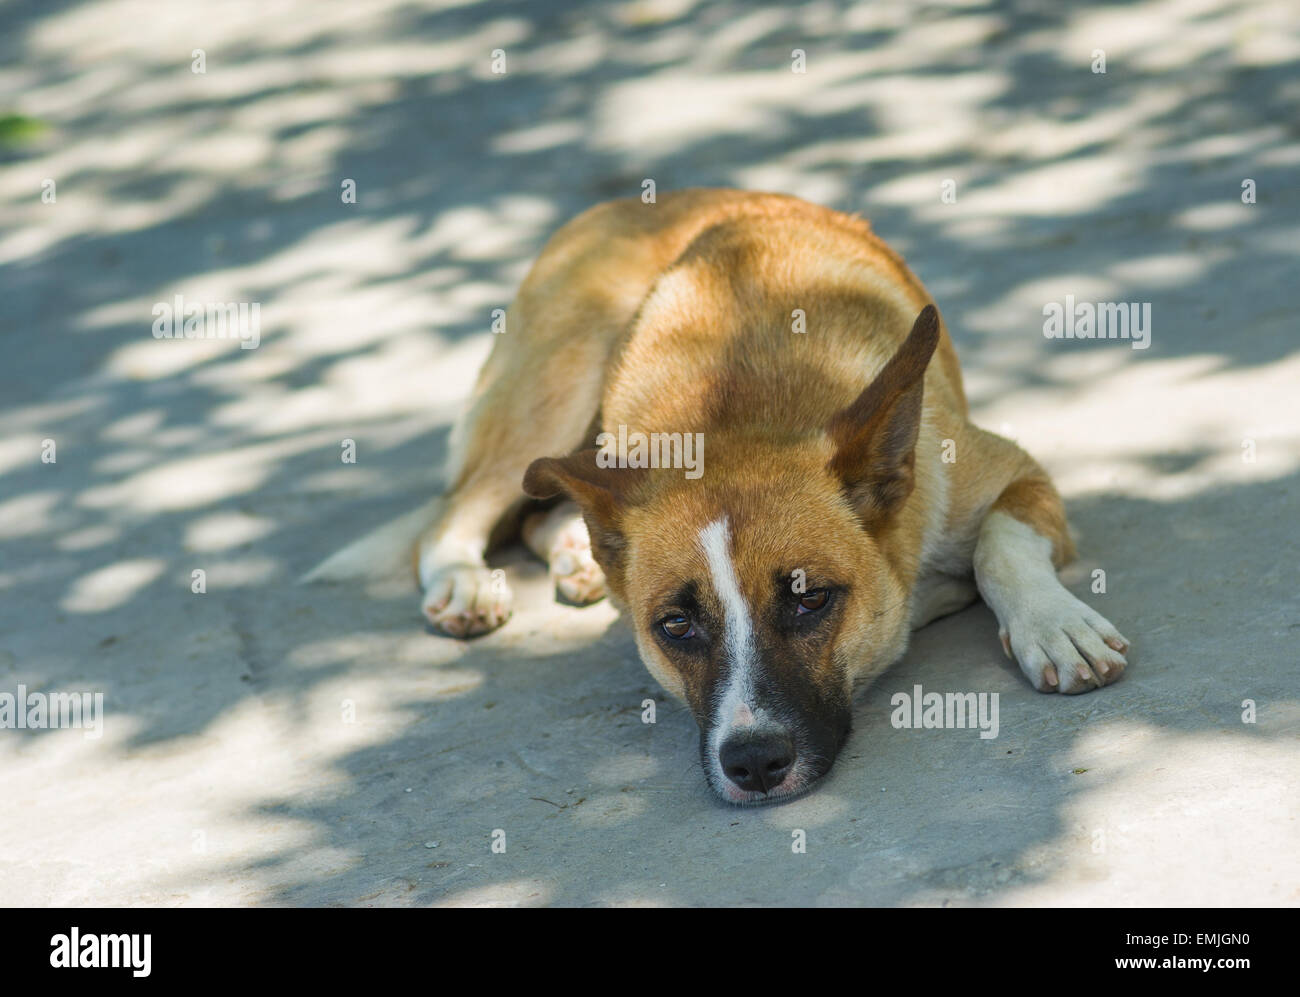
266	742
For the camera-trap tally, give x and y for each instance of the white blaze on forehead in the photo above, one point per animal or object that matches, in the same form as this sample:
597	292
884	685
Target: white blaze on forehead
715	541
735	703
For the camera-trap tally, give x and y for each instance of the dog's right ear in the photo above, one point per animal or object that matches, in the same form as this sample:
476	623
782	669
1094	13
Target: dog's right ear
602	493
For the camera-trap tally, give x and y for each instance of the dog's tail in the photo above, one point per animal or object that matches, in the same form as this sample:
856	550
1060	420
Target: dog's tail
382	552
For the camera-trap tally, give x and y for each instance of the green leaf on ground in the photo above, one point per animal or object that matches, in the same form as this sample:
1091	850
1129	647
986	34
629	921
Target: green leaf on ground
17	129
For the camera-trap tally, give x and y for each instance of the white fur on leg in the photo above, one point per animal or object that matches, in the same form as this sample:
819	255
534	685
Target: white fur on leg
462	597
938	595
559	537
1060	642
466	600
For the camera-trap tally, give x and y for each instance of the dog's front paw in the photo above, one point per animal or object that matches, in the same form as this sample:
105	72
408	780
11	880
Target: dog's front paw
1064	645
578	578
466	600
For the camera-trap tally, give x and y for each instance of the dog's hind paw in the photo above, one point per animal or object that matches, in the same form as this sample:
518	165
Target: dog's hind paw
467	600
1064	645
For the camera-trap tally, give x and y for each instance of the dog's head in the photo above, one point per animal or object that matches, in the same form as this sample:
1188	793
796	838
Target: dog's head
761	590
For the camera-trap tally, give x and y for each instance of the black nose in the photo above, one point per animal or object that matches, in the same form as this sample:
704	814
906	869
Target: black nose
757	762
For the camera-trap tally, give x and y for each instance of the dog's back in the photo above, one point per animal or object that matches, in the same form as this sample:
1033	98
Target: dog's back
773	312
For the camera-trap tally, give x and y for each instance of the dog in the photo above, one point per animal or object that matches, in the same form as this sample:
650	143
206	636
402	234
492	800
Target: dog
843	500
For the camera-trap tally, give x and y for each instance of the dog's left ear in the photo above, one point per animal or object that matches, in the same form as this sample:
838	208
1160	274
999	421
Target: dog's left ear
601	492
875	437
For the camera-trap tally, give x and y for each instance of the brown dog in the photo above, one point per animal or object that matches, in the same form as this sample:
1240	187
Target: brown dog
846	498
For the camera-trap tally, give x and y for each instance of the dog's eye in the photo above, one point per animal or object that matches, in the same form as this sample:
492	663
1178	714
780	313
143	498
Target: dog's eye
678	627
812	601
